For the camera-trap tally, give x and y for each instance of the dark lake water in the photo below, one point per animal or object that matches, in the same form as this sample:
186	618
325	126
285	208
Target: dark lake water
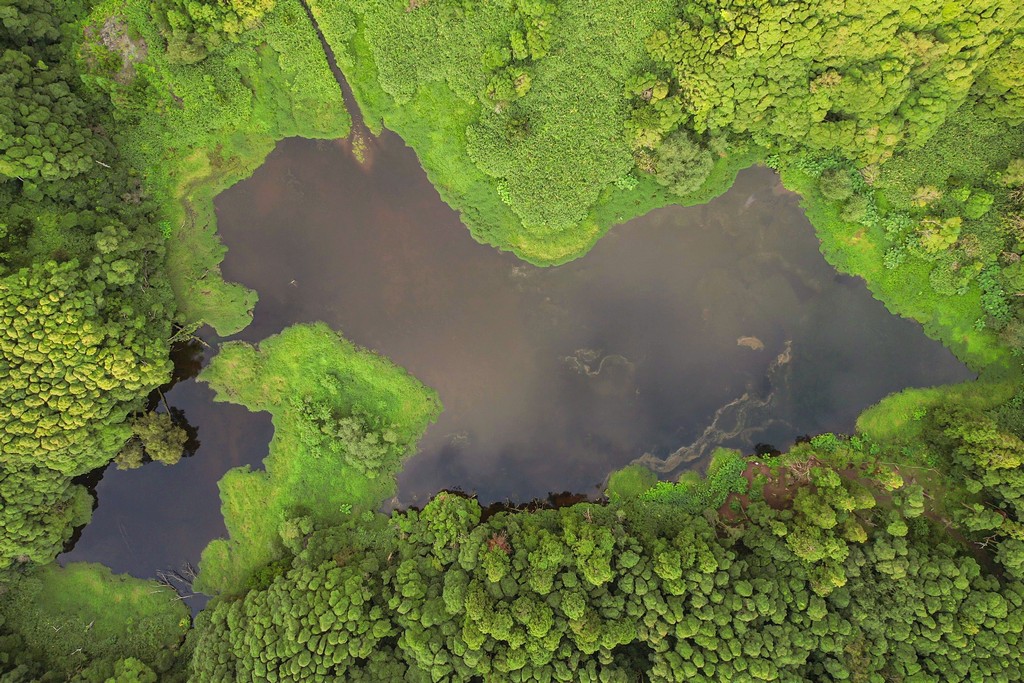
680	331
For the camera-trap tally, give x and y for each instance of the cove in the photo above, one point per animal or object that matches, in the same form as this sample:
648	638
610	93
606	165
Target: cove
680	331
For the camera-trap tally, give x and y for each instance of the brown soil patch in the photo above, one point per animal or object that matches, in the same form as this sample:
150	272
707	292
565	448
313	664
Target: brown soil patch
778	490
114	36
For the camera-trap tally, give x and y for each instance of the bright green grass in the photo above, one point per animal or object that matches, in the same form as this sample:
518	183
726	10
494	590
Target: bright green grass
898	418
207	126
72	616
287	367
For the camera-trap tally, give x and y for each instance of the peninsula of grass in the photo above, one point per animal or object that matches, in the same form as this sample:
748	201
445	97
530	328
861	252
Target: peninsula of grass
344	420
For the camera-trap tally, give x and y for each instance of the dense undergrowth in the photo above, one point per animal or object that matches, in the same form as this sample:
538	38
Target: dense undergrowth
893	554
84	300
83	623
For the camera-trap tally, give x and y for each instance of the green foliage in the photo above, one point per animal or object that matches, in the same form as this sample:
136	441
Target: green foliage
154	435
86	341
193	27
335	450
534	171
629	483
982	489
587	593
916	245
83	295
694	493
824	522
827	443
790	76
325	433
546	122
1013	176
836	184
81	623
541	171
978	439
978	204
40	135
936	235
449	519
194	129
681	165
1001	85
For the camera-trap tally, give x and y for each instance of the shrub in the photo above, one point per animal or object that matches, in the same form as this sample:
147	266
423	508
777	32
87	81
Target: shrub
681	164
836	184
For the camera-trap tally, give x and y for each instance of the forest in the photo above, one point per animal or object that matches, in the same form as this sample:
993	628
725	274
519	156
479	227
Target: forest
895	553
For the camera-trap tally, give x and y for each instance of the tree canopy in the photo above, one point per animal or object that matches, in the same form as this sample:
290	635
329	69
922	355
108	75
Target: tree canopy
592	593
84	302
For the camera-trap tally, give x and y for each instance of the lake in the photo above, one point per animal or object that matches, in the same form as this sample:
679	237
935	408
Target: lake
683	330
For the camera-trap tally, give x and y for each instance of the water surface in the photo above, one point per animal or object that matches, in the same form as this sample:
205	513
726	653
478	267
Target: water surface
552	377
680	331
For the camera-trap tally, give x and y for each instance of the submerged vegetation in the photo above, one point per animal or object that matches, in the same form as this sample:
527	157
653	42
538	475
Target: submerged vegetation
894	554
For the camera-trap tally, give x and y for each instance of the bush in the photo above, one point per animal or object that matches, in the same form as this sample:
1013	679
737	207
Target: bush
856	209
681	164
836	184
978	204
1013	176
